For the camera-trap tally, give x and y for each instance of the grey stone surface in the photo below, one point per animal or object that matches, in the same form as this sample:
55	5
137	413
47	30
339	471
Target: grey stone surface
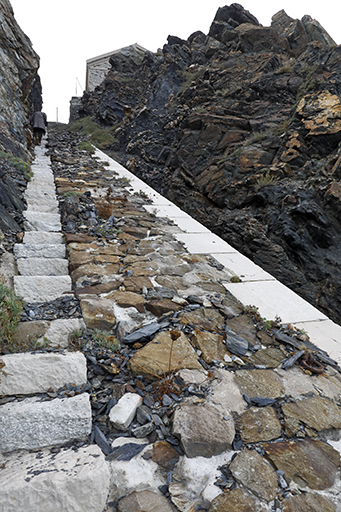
43	237
202	430
45	205
36	221
40	250
58	334
32	424
41	288
70	481
36	373
43	266
144	501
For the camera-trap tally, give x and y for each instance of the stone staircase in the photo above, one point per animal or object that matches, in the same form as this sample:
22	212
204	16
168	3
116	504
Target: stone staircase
35	478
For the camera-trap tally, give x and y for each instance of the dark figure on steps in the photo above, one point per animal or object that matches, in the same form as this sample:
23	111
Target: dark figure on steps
39	123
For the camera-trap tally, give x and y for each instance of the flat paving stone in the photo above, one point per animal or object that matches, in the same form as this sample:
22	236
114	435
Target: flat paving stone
43	237
39	250
190	225
41	288
243	267
207	243
28	373
72	480
31	424
43	266
36	221
273	299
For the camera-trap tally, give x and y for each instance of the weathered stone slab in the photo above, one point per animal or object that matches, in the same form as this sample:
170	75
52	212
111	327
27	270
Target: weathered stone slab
91	269
225	393
259	383
43	250
308	462
29	373
308	502
44	206
41	288
295	382
144	501
43	237
311	413
128	300
31	424
70	480
122	414
235	501
36	221
43	266
202	430
255	473
30	331
259	424
269	357
59	331
210	344
98	313
163	355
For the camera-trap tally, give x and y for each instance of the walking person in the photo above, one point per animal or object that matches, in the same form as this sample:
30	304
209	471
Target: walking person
38	121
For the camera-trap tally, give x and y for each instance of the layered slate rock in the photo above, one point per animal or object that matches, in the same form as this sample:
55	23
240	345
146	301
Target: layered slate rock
307	503
308	462
235	500
164	355
33	424
28	373
144	501
75	480
255	473
259	425
202	430
264	383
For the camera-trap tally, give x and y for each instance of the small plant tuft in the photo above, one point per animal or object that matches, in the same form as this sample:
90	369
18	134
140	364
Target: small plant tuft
106	340
10	311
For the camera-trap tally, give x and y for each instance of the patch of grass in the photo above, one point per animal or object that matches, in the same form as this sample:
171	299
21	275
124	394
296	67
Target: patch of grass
10	311
282	127
71	193
285	69
106	340
188	78
20	165
101	137
86	146
265	180
235	279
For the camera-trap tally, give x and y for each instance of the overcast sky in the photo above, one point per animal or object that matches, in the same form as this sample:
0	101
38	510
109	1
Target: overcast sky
65	33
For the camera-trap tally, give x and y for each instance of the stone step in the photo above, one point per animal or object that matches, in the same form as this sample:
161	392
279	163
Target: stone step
41	288
39	250
45	205
28	373
56	333
32	424
36	221
43	237
67	481
43	266
36	193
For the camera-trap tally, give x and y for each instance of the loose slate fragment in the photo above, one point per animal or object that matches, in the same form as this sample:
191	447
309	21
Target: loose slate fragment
234	343
126	452
101	440
145	333
290	361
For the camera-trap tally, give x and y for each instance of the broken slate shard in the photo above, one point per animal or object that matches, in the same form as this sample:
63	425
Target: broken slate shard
234	343
101	440
126	452
145	333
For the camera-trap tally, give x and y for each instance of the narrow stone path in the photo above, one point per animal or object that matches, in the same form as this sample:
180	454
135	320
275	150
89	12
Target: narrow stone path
238	420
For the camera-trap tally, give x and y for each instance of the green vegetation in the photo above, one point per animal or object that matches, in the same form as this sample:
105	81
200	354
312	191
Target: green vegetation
10	311
106	340
282	127
188	78
71	193
20	165
265	180
86	146
101	137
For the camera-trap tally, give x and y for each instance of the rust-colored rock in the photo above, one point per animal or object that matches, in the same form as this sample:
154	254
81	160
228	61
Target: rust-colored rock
128	300
165	455
98	313
308	502
159	307
210	344
234	501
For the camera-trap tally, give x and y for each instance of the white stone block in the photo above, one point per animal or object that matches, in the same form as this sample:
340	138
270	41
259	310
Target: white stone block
43	237
39	250
43	266
71	480
243	267
206	243
41	288
122	414
60	330
36	221
29	373
31	424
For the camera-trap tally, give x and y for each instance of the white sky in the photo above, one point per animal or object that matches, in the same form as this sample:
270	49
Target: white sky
65	33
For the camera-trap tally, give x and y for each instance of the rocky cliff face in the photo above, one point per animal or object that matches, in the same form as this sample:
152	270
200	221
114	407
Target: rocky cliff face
20	96
242	129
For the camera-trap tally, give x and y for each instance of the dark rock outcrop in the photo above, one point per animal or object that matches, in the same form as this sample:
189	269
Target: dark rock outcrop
20	96
242	129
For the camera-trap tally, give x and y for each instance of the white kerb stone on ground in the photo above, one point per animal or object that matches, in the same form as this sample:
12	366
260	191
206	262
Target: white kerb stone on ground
43	266
122	414
71	480
36	221
41	288
29	373
32	424
39	250
43	237
59	332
